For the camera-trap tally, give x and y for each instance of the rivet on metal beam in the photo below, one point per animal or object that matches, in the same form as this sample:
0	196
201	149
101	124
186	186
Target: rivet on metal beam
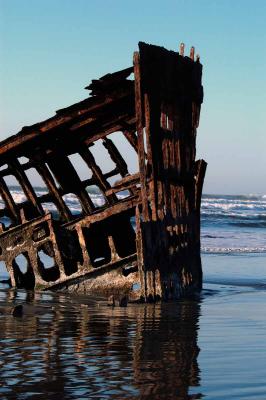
182	49
192	53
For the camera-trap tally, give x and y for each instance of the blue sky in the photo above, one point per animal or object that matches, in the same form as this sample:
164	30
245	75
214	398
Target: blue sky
50	50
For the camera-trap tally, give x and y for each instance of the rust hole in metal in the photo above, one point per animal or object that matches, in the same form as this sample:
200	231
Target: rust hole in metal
18	241
98	250
40	233
22	263
23	272
23	160
48	269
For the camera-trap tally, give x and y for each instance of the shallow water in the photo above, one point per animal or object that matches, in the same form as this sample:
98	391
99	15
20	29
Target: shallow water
72	347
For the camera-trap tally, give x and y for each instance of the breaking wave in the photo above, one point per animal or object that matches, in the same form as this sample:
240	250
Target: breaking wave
230	224
239	211
233	224
232	250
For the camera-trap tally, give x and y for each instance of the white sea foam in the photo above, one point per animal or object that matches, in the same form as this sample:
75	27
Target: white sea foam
97	199
18	197
232	250
49	207
233	204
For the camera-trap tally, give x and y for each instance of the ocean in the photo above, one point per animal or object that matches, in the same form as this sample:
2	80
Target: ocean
233	224
76	347
230	224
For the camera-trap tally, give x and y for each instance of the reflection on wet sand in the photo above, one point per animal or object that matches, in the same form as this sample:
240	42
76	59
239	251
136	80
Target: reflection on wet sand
61	347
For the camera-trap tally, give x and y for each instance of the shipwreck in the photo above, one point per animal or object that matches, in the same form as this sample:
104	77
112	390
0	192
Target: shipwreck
145	243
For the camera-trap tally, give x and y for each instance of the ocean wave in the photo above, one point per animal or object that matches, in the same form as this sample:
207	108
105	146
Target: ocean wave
234	215
248	224
231	218
247	197
208	236
232	250
233	201
234	206
223	212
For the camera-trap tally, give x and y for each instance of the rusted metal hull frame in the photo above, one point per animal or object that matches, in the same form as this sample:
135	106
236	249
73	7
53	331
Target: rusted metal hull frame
95	249
168	228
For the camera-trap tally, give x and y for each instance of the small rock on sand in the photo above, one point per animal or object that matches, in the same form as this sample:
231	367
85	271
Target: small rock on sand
17	311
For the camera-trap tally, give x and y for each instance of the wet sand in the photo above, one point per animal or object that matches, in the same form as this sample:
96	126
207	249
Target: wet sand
72	347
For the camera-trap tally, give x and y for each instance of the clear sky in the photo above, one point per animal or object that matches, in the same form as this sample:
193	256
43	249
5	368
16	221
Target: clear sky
50	50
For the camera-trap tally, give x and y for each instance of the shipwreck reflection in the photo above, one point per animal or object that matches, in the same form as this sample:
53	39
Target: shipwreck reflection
166	351
90	350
